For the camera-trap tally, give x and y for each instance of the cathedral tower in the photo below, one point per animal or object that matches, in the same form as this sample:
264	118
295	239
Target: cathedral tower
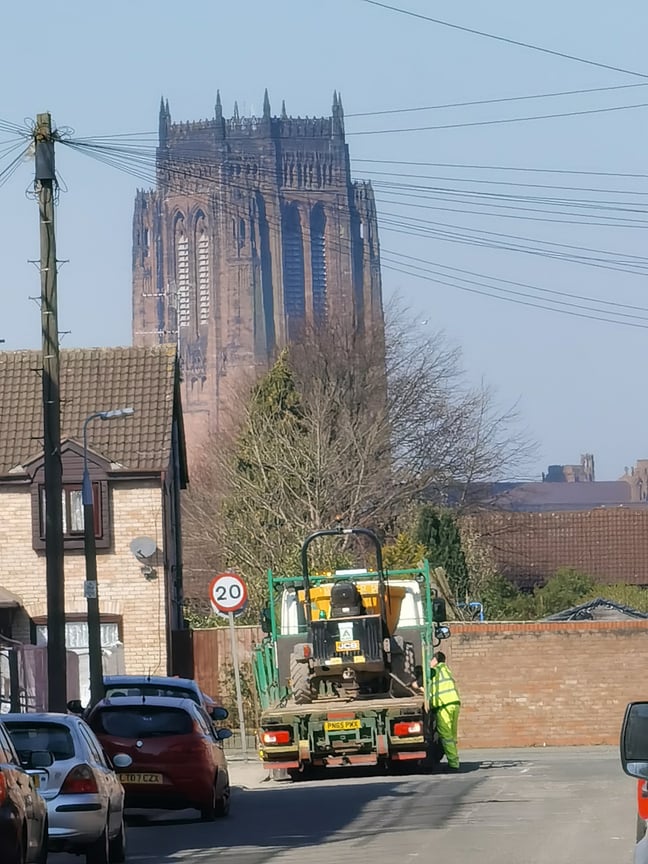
255	227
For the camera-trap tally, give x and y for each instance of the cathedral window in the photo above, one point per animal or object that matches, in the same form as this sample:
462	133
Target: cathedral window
202	269
182	275
293	271
318	262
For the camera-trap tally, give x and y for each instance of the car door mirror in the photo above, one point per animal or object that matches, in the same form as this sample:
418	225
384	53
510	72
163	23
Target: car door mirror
439	612
223	734
219	713
634	740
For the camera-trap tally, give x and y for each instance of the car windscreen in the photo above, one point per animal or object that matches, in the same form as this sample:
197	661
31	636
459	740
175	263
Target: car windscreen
142	721
117	691
52	737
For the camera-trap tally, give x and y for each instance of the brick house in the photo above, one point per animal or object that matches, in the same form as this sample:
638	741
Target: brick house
137	466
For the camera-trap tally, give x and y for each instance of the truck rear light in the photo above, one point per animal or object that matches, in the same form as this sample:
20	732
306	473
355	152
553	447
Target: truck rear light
80	781
3	788
279	736
401	730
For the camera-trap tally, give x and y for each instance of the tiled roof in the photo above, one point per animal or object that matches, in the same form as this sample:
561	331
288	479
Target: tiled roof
597	610
609	544
542	497
92	379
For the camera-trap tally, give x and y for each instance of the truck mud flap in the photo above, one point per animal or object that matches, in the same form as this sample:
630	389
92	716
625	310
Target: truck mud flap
406	755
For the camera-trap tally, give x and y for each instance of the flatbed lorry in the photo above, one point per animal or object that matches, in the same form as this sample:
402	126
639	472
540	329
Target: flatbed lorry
348	685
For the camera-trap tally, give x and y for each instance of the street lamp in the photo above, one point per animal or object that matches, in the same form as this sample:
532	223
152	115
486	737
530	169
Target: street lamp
90	551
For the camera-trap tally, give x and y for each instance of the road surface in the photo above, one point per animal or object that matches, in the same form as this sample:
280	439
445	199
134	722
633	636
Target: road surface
537	806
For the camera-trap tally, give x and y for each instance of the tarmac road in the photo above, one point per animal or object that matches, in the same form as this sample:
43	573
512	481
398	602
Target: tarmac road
535	806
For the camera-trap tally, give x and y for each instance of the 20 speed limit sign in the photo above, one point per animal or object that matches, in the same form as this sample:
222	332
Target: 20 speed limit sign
228	594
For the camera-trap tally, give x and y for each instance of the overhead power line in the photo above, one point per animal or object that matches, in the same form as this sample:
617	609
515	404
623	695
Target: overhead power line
517	301
500	121
519	43
513	168
141	163
501	99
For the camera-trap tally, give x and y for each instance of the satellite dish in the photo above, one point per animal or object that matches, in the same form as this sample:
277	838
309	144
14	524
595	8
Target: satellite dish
143	547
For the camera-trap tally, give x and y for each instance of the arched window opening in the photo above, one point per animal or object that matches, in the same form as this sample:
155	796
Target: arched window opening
183	300
318	262
293	271
203	269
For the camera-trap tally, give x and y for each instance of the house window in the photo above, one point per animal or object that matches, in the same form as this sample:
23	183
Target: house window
73	522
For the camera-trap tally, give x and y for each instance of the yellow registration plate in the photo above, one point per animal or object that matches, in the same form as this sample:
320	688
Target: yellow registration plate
347	646
341	725
140	778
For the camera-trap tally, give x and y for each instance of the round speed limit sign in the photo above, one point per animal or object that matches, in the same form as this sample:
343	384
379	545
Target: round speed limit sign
228	594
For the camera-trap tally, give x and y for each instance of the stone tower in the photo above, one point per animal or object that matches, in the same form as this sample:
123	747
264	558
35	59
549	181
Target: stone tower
255	227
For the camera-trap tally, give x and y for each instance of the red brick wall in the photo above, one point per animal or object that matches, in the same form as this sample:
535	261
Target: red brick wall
521	684
546	683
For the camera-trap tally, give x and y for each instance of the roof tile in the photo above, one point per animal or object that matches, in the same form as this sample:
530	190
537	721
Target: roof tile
95	379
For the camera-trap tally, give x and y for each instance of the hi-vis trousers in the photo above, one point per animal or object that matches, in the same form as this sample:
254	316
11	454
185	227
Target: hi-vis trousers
447	721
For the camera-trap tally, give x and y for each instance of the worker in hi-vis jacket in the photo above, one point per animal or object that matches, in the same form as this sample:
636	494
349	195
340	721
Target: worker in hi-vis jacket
445	701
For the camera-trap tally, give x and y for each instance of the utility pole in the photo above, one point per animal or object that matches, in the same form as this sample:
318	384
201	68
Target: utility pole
45	181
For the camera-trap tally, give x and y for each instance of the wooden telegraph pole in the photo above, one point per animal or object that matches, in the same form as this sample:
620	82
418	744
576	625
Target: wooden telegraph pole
45	184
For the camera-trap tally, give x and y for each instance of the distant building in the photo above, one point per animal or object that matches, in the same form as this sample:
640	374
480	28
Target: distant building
637	479
583	473
255	228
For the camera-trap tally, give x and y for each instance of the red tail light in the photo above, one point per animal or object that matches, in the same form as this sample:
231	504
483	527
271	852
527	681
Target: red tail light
401	730
280	736
3	788
80	781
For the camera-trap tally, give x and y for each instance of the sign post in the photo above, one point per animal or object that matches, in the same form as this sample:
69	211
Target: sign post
228	597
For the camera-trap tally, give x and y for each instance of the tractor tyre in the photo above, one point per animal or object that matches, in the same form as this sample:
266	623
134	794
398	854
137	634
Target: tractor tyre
299	682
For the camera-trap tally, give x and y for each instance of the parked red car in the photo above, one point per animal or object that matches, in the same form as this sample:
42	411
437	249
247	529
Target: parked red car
166	752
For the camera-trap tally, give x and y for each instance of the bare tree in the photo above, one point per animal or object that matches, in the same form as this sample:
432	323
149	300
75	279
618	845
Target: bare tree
347	426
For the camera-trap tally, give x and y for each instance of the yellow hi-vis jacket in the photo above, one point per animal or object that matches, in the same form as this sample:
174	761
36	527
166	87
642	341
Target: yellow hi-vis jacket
444	689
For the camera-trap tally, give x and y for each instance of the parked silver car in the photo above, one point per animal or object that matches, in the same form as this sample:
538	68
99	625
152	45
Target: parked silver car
85	799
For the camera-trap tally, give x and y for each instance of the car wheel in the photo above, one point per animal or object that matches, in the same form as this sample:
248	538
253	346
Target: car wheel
18	855
223	803
98	852
209	811
42	852
117	846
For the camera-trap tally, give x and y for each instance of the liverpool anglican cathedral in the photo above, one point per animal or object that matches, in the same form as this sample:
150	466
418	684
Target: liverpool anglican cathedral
255	228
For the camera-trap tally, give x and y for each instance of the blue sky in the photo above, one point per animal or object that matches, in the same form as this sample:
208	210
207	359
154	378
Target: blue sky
105	66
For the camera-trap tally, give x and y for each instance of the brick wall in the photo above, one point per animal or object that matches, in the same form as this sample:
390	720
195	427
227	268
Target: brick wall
534	684
136	511
546	683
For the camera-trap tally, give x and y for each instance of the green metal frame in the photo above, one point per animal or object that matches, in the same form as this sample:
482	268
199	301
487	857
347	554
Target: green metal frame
266	672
